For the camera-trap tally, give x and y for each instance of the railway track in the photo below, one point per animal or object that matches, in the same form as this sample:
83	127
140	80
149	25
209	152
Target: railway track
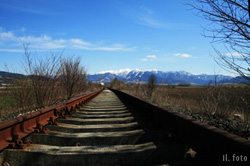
101	133
115	128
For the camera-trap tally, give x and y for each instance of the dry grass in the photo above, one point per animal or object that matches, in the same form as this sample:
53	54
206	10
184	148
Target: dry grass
222	100
9	104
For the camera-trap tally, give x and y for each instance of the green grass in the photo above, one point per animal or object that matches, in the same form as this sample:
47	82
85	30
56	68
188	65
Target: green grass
6	102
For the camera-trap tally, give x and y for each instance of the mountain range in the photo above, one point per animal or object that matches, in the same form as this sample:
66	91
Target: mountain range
135	76
163	77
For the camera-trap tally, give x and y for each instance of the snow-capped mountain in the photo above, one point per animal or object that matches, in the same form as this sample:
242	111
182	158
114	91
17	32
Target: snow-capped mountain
169	77
121	72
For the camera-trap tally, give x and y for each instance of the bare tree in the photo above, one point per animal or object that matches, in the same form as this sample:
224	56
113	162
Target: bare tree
74	77
43	76
47	80
232	28
151	85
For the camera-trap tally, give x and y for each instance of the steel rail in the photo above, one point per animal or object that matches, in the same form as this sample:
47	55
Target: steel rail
14	131
206	140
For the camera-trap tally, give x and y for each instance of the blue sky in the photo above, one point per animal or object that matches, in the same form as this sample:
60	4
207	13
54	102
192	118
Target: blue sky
107	34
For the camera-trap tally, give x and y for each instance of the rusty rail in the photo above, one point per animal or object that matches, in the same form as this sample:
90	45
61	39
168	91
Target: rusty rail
210	142
14	131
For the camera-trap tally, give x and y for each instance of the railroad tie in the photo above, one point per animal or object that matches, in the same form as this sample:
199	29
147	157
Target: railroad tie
103	132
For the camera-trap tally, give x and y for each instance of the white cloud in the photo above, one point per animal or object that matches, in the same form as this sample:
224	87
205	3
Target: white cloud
32	39
151	56
94	48
177	54
11	50
51	45
110	49
10	42
186	55
6	36
79	41
183	55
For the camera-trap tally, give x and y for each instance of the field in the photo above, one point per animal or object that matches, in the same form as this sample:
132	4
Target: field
222	100
224	106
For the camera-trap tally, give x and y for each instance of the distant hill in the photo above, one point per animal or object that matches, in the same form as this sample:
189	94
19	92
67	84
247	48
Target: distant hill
134	76
169	77
5	74
6	77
